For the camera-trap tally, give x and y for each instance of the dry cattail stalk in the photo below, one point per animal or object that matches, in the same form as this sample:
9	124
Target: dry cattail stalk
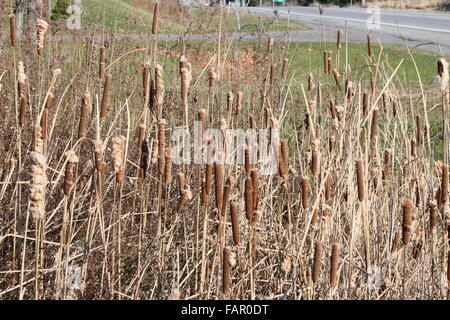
270	45
143	165
235	222
316	263
44	115
374	125
444	184
284	68
161	145
42	27
369	45
255	187
102	62
155	18
168	166
12	29
186	195
146	79
408	206
311	85
272	74
248	198
212	77
305	189
240	96
38	181
83	116
184	85
72	160
226	277
360	179
334	263
105	99
339	39
315	158
118	155
283	159
218	175
443	73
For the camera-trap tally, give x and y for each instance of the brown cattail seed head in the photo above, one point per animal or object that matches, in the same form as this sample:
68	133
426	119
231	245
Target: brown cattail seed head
226	270
334	263
168	166
186	195
283	159
270	45
369	45
212	77
305	188
155	18
339	39
315	158
360	179
443	73
161	145
235	222
408	206
145	80
105	99
72	159
255	187
218	174
284	68
311	85
118	155
41	27
316	263
444	184
83	116
248	198
12	29
143	159
432	207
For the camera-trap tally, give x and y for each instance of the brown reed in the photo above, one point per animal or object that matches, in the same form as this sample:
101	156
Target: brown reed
235	222
82	127
316	262
283	159
12	29
155	18
226	270
334	263
249	202
408	206
339	39
305	190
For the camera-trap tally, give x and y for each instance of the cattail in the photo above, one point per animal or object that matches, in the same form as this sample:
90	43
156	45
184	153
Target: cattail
316	263
374	125
12	29
23	110
159	90
443	73
208	180
305	188
334	263
394	108
181	182
204	193
161	145
284	68
98	153
369	45
283	159
38	181
248	161
419	130
448	267
145	80
105	99
72	160
413	147
218	175
168	165
230	99
240	96
226	277
143	165
432	207
270	45
83	116
311	85
272	74
42	27
212	77
337	77
349	89
365	103
385	101
332	109
186	195
373	83
227	194
118	155
395	241
325	62
235	222
255	187
444	184
102	62
184	85
360	179
339	39
315	216
386	164
155	18
249	202
328	188
329	62
315	158
407	221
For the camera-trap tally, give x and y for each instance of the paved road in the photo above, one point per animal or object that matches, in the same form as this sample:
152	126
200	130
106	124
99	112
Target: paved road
425	30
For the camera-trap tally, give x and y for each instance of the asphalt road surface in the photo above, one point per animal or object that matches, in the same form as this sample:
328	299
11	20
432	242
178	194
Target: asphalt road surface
424	30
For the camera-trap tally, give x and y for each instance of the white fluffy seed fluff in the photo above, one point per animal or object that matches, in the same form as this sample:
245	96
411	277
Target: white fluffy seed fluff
42	27
38	181
118	152
21	76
